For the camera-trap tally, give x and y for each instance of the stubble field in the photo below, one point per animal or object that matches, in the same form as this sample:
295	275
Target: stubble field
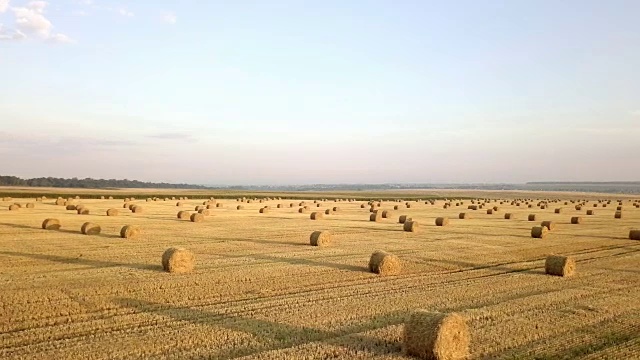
260	291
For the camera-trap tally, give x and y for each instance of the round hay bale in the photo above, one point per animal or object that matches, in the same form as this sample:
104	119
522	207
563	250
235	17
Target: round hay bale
14	207
30	205
376	216
205	212
178	260
183	215
264	210
302	210
618	215
279	206
489	211
560	265
219	205
558	210
591	212
179	203
336	209
71	207
436	336
83	211
132	206
328	212
239	207
387	214
90	229
550	225
51	224
384	263
316	215
199	207
362	206
291	205
211	206
126	206
129	232
509	216
464	216
137	209
634	235
197	217
403	218
539	232
320	238
61	202
442	221
396	207
576	220
411	226
112	212
532	217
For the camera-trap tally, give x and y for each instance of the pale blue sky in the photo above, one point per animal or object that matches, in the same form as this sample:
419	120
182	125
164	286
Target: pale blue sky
281	92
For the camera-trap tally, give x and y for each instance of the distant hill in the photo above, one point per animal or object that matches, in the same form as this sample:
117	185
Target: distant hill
90	183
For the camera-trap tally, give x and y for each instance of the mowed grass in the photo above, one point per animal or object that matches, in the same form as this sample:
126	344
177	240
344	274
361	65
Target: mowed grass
260	291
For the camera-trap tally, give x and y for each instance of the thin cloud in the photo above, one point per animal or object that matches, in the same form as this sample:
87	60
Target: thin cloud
171	136
125	12
4	6
635	113
31	22
169	18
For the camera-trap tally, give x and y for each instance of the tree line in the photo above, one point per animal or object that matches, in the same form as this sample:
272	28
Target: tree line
89	183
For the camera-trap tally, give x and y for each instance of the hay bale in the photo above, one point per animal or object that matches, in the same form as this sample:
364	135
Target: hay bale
183	215
591	212
532	217
634	235
384	263
178	260
112	212
129	232
199	207
436	336
83	211
126	206
205	212
14	207
618	215
317	215
302	210
197	217
558	211
320	238
136	209
328	212
550	225
576	220
179	203
30	205
60	202
411	226
403	218
387	214
376	216
509	216
396	207
464	216
51	224
442	221
239	207
71	207
219	205
539	232
264	210
560	265
489	211
336	209
90	229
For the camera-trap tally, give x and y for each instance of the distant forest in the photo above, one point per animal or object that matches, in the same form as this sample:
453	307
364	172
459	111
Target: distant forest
89	183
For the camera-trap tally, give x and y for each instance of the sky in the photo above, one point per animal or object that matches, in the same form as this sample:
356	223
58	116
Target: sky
304	92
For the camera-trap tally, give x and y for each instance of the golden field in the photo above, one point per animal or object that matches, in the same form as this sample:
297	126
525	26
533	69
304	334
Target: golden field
260	291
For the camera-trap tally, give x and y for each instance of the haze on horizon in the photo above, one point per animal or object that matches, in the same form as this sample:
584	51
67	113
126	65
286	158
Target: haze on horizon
291	92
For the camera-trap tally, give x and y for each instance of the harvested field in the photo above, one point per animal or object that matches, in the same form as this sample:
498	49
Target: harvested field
259	290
